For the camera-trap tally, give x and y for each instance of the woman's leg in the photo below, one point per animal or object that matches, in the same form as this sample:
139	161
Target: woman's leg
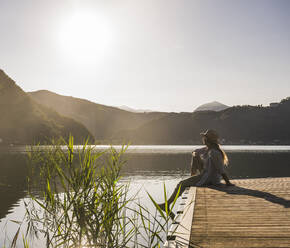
183	185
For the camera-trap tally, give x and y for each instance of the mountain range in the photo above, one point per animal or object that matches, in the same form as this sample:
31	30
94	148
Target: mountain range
237	125
36	116
104	122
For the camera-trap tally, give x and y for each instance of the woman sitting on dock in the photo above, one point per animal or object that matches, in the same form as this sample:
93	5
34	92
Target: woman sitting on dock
213	160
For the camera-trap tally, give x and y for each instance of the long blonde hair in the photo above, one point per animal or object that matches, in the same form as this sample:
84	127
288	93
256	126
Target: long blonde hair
217	146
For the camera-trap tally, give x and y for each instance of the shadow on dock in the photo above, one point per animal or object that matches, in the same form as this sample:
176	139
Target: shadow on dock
237	190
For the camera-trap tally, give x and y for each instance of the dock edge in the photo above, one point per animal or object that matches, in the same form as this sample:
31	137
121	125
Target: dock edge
180	230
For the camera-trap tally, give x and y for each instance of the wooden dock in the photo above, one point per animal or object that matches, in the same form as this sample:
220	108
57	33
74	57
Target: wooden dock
253	213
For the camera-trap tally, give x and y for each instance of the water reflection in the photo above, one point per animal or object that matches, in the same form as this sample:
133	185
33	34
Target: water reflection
242	164
12	180
145	172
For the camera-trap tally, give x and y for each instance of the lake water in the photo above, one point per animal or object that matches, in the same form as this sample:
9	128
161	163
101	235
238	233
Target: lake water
147	169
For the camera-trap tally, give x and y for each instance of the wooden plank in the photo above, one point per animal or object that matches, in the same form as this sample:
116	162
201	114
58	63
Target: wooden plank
254	213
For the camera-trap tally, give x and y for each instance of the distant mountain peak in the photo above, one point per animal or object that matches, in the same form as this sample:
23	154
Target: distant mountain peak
212	106
124	107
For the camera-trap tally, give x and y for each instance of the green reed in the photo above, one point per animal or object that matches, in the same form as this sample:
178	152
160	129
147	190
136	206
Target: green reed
82	203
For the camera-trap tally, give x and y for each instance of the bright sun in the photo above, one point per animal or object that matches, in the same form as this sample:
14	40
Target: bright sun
85	36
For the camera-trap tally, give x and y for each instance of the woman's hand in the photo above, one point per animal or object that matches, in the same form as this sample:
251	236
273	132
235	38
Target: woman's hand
227	180
229	184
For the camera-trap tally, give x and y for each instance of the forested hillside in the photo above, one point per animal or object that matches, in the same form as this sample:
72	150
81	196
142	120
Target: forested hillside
236	125
23	121
102	121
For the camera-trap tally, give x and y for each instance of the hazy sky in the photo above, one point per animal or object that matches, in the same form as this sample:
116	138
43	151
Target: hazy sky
168	55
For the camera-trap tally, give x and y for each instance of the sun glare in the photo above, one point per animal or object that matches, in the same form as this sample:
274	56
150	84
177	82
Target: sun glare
85	36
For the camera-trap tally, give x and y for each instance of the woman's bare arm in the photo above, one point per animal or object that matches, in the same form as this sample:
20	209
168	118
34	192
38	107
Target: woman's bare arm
200	150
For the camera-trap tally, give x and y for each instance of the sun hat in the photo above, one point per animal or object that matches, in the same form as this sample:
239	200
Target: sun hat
211	135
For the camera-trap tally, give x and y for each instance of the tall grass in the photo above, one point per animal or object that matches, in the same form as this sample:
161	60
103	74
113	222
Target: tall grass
82	202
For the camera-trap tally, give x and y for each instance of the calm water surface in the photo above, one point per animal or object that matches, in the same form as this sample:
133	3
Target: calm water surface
148	167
